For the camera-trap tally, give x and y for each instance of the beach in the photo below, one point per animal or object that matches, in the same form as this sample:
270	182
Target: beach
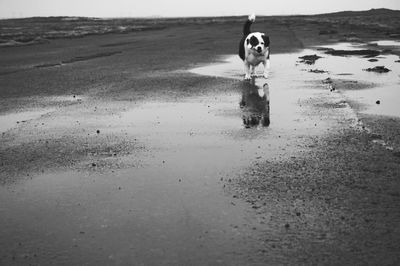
137	141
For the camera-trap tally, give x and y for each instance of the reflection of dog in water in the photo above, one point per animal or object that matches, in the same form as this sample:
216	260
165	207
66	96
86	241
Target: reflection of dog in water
255	104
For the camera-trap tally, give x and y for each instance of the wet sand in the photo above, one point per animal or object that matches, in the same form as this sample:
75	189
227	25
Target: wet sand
148	148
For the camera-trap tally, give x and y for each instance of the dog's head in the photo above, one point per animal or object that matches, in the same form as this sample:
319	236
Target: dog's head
257	42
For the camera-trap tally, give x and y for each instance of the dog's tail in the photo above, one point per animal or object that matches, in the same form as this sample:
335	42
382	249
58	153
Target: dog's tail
246	27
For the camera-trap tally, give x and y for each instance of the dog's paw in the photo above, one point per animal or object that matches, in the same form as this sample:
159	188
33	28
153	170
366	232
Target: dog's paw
247	77
266	75
252	17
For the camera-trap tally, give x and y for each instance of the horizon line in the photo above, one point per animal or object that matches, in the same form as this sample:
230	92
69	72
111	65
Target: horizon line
190	16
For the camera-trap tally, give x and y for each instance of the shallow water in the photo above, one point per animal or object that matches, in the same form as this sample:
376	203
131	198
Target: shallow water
171	208
386	43
385	85
8	121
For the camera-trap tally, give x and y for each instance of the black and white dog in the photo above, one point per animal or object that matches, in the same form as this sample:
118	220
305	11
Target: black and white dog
254	49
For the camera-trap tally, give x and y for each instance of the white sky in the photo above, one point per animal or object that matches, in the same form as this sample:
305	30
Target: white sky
168	8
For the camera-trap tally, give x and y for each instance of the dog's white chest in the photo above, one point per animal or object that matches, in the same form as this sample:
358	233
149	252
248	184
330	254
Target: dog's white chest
255	60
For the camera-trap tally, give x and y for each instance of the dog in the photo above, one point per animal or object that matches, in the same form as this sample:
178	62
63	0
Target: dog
254	49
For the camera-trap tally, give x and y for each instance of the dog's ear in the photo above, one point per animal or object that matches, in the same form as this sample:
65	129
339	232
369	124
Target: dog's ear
253	41
266	40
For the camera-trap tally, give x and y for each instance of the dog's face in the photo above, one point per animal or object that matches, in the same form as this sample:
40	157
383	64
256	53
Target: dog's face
257	42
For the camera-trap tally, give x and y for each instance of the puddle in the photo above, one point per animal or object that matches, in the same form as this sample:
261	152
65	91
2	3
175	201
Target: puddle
174	202
386	88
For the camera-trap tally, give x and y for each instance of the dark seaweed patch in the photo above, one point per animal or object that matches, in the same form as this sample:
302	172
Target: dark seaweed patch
378	69
309	59
364	52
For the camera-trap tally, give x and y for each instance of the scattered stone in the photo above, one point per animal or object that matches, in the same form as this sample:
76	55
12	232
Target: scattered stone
378	102
287	226
318	71
327	81
309	59
94	164
378	69
98	131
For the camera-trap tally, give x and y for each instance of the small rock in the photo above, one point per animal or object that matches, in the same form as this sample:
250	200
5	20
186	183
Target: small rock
309	59
327	81
287	226
378	102
318	71
98	131
94	164
377	69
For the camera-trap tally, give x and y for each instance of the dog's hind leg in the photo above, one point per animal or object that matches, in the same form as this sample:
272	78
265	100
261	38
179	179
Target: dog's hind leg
266	65
266	68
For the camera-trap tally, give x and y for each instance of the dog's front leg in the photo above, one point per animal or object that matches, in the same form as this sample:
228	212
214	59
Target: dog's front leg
247	71
266	68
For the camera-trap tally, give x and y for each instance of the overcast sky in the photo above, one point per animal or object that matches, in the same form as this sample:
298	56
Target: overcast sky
168	8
